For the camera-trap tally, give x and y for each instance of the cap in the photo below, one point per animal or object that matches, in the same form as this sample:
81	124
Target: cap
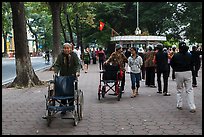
173	46
159	46
141	50
164	49
182	44
150	47
118	46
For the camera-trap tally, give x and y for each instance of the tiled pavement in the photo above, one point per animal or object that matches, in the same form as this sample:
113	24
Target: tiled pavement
149	113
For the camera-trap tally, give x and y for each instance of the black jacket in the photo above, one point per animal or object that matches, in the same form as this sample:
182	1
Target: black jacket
196	57
161	61
181	62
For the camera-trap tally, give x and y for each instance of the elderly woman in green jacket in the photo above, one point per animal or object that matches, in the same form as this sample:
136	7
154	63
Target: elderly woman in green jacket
67	64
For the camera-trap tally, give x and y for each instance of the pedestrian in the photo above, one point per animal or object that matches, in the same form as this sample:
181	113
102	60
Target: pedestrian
135	63
47	56
86	59
93	54
118	58
150	67
171	55
101	57
182	64
196	64
127	54
169	59
141	54
67	64
161	60
78	52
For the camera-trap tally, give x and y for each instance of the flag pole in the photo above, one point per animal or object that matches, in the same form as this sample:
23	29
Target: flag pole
112	29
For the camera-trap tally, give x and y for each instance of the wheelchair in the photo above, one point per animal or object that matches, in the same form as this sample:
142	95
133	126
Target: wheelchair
110	80
64	88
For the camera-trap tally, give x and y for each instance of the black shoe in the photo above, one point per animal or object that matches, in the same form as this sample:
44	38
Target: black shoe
180	108
159	92
194	85
192	110
166	94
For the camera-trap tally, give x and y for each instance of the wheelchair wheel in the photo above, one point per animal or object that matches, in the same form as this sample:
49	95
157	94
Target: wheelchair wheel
75	118
81	106
119	93
49	102
103	91
49	119
99	92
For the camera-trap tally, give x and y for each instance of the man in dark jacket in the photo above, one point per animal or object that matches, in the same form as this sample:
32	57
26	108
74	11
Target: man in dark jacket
161	60
196	64
182	63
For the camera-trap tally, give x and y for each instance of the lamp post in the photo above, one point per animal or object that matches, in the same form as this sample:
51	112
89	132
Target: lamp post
137	31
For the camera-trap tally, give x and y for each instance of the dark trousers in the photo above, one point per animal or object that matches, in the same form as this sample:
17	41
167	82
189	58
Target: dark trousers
195	74
94	60
165	80
123	82
101	64
173	74
150	76
169	68
143	72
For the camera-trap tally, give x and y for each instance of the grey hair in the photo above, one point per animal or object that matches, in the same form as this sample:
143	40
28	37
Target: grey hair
68	44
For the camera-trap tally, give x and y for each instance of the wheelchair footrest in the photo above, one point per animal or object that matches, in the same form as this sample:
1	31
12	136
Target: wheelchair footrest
61	108
46	117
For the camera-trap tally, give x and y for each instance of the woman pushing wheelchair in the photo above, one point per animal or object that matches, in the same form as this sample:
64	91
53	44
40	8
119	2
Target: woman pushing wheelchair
67	64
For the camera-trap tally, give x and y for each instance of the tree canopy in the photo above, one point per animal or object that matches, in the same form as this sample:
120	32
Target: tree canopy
176	20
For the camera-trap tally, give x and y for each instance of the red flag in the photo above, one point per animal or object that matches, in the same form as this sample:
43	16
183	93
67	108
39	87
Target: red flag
101	26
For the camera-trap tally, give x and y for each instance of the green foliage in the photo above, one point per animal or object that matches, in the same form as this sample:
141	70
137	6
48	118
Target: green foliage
6	17
40	19
158	18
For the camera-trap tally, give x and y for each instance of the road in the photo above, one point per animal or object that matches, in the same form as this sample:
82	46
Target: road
9	67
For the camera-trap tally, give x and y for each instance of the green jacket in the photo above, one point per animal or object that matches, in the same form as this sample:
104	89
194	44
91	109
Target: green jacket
67	65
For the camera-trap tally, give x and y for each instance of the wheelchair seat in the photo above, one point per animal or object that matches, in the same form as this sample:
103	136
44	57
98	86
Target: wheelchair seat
110	72
64	87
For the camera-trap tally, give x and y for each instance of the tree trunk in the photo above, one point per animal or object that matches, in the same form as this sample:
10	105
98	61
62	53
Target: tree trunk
25	75
63	30
5	46
81	44
77	30
68	23
55	10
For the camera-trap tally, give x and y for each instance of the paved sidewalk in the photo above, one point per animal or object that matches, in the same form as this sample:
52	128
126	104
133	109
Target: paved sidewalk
149	113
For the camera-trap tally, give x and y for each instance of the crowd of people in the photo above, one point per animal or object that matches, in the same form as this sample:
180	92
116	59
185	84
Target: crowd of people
142	65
